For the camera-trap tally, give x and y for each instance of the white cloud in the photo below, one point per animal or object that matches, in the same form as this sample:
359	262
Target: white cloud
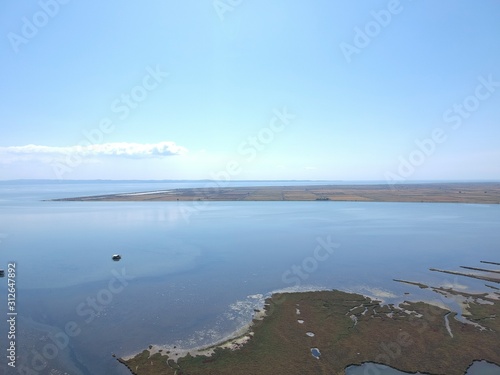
123	149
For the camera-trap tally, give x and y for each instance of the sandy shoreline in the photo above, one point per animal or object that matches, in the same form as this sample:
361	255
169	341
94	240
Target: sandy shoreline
232	341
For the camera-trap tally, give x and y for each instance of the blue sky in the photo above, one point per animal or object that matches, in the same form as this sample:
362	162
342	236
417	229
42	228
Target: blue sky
250	89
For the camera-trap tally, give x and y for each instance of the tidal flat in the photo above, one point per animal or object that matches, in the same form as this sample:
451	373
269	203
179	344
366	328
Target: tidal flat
325	332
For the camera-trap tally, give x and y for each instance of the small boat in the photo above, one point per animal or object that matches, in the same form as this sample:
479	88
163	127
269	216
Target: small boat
116	257
2	273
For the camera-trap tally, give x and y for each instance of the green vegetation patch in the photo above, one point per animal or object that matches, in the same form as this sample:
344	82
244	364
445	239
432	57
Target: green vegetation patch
348	329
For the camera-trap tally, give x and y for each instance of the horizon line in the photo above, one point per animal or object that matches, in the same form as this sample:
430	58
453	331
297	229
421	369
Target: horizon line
54	180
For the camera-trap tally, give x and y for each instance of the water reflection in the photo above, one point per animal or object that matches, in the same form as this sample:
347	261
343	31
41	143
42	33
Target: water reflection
477	368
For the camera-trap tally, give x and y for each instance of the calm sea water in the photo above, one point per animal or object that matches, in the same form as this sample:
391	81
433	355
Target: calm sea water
191	274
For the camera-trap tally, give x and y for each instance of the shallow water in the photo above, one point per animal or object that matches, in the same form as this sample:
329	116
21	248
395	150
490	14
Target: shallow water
478	368
192	273
316	353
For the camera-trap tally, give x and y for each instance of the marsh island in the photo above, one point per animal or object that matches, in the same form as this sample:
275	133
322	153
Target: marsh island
325	332
486	193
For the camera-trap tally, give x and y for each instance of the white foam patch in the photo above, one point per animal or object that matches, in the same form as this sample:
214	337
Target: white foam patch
238	317
455	285
374	293
299	289
243	310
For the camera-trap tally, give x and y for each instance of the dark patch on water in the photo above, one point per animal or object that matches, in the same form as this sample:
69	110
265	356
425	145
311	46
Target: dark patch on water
315	353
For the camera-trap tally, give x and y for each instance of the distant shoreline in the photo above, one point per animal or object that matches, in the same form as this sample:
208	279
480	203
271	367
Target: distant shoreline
459	192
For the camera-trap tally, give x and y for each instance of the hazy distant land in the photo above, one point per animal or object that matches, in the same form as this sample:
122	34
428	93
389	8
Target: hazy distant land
348	329
485	193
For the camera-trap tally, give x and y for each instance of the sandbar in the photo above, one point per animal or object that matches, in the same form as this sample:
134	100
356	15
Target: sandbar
479	193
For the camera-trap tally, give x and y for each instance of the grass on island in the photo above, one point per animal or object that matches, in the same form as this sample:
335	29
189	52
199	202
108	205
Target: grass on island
348	329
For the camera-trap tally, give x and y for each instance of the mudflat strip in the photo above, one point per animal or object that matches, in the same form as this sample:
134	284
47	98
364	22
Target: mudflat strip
480	193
